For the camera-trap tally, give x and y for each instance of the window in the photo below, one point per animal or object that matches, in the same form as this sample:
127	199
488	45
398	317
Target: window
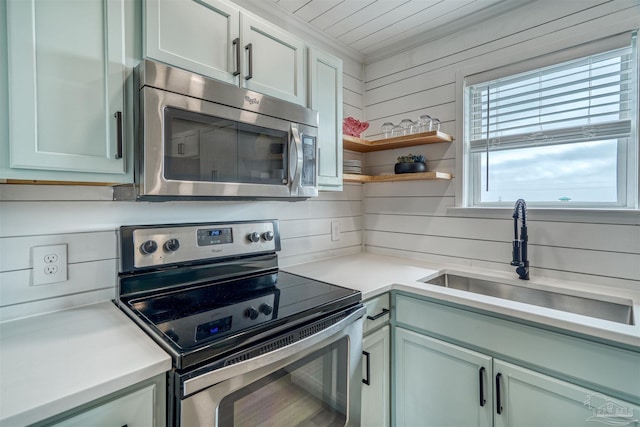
559	136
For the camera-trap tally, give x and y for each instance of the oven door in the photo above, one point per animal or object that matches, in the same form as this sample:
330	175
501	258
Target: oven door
315	381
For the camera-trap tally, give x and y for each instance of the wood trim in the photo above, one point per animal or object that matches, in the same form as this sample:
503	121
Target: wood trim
364	146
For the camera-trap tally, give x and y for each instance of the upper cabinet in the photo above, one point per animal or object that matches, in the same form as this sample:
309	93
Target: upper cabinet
325	96
200	36
66	77
273	60
216	39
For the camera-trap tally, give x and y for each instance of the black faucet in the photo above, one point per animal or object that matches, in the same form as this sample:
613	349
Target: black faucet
520	244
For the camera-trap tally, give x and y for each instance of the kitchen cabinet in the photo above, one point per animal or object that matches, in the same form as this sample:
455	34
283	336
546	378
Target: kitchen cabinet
531	399
194	35
66	77
217	39
376	366
325	96
440	384
450	360
365	146
141	405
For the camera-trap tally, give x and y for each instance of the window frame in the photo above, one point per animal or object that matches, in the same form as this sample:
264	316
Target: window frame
468	189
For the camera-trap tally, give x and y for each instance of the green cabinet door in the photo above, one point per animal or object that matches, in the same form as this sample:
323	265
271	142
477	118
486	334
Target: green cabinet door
273	60
325	96
376	368
440	384
66	79
197	35
531	399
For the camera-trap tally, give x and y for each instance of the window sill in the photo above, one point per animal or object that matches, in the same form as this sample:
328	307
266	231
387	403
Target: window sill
609	216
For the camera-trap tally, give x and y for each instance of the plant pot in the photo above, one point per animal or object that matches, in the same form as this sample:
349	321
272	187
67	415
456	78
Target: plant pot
409	167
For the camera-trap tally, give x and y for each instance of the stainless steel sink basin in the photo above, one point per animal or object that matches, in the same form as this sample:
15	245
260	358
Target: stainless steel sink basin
621	312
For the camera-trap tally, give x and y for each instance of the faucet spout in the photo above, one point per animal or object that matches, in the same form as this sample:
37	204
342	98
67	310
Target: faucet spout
519	258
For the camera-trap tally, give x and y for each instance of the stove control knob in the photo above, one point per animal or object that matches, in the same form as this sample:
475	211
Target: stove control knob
251	313
254	237
268	236
171	245
266	309
148	247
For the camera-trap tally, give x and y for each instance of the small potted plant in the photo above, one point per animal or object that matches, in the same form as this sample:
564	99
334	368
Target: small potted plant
410	164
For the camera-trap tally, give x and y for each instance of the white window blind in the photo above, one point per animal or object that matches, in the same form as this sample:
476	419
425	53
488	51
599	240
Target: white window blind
583	102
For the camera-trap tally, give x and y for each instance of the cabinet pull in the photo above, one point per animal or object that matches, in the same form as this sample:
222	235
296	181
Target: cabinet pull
118	116
236	47
481	382
379	315
367	380
499	407
249	48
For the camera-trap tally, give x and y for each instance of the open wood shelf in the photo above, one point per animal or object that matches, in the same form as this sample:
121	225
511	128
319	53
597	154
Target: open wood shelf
364	146
347	177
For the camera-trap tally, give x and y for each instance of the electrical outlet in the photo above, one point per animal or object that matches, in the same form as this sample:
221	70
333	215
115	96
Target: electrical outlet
49	264
335	230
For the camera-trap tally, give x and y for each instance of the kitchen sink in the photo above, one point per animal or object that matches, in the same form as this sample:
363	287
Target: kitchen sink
620	312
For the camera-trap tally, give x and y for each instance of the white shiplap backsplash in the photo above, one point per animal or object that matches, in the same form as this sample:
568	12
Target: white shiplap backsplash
89	228
416	219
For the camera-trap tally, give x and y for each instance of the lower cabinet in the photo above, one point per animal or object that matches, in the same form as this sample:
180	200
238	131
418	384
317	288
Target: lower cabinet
376	378
504	374
440	384
530	399
376	364
141	405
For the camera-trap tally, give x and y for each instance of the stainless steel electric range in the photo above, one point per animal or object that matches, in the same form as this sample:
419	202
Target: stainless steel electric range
250	343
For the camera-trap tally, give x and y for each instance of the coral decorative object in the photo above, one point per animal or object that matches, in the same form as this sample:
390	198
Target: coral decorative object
353	127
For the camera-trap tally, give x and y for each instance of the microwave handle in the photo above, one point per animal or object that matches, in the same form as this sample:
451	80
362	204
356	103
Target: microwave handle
295	160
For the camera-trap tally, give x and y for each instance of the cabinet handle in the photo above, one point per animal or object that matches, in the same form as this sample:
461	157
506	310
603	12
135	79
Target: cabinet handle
481	382
499	407
367	380
379	315
118	116
236	46
249	47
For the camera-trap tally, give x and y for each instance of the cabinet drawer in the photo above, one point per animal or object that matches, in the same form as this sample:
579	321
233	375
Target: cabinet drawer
378	312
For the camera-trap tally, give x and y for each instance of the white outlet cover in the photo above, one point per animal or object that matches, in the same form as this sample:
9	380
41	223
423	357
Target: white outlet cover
39	257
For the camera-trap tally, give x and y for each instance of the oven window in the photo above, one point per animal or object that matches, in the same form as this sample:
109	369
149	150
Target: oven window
309	392
199	147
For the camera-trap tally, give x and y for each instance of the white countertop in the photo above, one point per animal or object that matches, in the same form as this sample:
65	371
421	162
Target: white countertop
58	361
375	274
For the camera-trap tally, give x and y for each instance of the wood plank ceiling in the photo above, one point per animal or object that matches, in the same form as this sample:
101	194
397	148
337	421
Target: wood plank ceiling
378	27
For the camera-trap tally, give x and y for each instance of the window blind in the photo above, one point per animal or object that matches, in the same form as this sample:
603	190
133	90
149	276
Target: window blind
582	100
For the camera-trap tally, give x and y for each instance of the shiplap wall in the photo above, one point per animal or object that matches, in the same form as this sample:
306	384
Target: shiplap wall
415	219
89	227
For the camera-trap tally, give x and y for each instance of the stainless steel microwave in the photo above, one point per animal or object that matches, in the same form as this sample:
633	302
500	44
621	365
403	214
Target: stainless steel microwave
199	138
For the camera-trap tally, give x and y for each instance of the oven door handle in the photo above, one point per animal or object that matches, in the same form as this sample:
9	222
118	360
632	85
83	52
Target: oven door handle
208	379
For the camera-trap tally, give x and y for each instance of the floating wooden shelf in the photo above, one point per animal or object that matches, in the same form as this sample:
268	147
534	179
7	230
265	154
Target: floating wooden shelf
364	146
347	177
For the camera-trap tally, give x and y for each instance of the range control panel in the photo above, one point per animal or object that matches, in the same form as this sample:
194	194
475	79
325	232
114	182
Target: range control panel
155	246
